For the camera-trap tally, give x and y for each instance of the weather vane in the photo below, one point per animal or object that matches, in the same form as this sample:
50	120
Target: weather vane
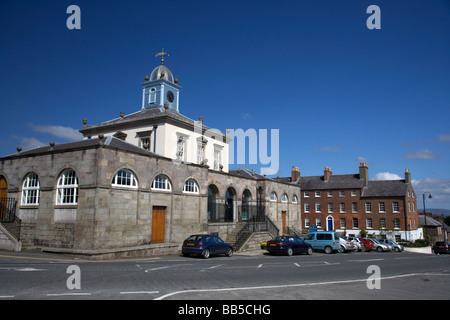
162	54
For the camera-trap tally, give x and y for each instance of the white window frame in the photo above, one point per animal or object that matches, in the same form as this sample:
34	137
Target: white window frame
67	188
273	196
330	208
161	183
307	222
294	198
125	178
284	197
395	207
369	223
317	208
306	194
318	222
381	207
368	207
30	190
191	186
306	207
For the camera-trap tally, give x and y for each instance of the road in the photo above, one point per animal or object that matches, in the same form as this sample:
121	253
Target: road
241	277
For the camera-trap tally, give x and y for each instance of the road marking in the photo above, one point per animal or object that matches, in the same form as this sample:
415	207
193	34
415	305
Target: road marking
260	266
23	269
366	260
78	260
139	292
297	264
6	297
296	285
69	294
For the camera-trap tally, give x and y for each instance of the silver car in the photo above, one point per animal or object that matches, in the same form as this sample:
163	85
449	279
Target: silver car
392	244
346	245
380	247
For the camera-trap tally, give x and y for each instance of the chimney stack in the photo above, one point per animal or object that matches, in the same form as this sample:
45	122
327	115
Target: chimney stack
407	176
295	174
327	174
364	174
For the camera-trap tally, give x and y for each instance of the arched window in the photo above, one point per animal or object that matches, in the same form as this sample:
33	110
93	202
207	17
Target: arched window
191	186
284	197
125	178
161	182
152	95
30	190
67	188
294	199
273	196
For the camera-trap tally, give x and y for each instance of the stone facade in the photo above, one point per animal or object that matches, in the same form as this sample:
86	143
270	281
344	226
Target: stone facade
107	216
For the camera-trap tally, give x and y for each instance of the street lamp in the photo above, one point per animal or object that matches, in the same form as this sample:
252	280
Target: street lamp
425	212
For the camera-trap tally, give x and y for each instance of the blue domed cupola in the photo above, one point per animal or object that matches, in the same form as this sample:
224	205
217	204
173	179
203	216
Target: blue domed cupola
161	88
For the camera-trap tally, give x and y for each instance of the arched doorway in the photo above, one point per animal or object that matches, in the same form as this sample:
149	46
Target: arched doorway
230	198
212	203
246	207
330	223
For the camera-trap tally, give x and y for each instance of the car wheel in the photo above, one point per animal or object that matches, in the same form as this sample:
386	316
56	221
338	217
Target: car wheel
396	249
229	252
206	253
328	250
341	249
309	251
289	251
379	249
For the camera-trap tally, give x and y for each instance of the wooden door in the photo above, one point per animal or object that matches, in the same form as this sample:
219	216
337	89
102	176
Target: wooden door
158	224
283	222
3	195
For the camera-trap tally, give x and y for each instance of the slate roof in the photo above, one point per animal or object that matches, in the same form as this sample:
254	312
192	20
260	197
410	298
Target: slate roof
430	221
245	173
109	141
344	181
376	188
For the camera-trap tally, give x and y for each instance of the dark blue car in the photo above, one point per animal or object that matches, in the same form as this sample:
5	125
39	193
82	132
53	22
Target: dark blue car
205	245
288	245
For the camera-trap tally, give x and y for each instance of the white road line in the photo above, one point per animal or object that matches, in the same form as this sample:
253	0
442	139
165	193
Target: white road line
6	297
296	285
260	266
139	292
69	294
366	260
297	264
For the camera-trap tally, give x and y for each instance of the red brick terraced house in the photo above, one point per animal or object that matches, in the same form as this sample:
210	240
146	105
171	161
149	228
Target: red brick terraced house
351	203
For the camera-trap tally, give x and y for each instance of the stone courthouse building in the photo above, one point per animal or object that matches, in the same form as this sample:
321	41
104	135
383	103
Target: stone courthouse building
139	183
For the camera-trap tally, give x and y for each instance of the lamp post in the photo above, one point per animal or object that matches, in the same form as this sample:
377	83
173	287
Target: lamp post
425	212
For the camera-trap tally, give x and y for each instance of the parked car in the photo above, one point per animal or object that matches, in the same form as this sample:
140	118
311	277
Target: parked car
357	242
327	241
288	245
441	247
346	245
380	247
367	245
392	245
206	245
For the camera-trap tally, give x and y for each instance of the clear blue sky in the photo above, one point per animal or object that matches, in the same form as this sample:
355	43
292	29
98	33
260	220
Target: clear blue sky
339	93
